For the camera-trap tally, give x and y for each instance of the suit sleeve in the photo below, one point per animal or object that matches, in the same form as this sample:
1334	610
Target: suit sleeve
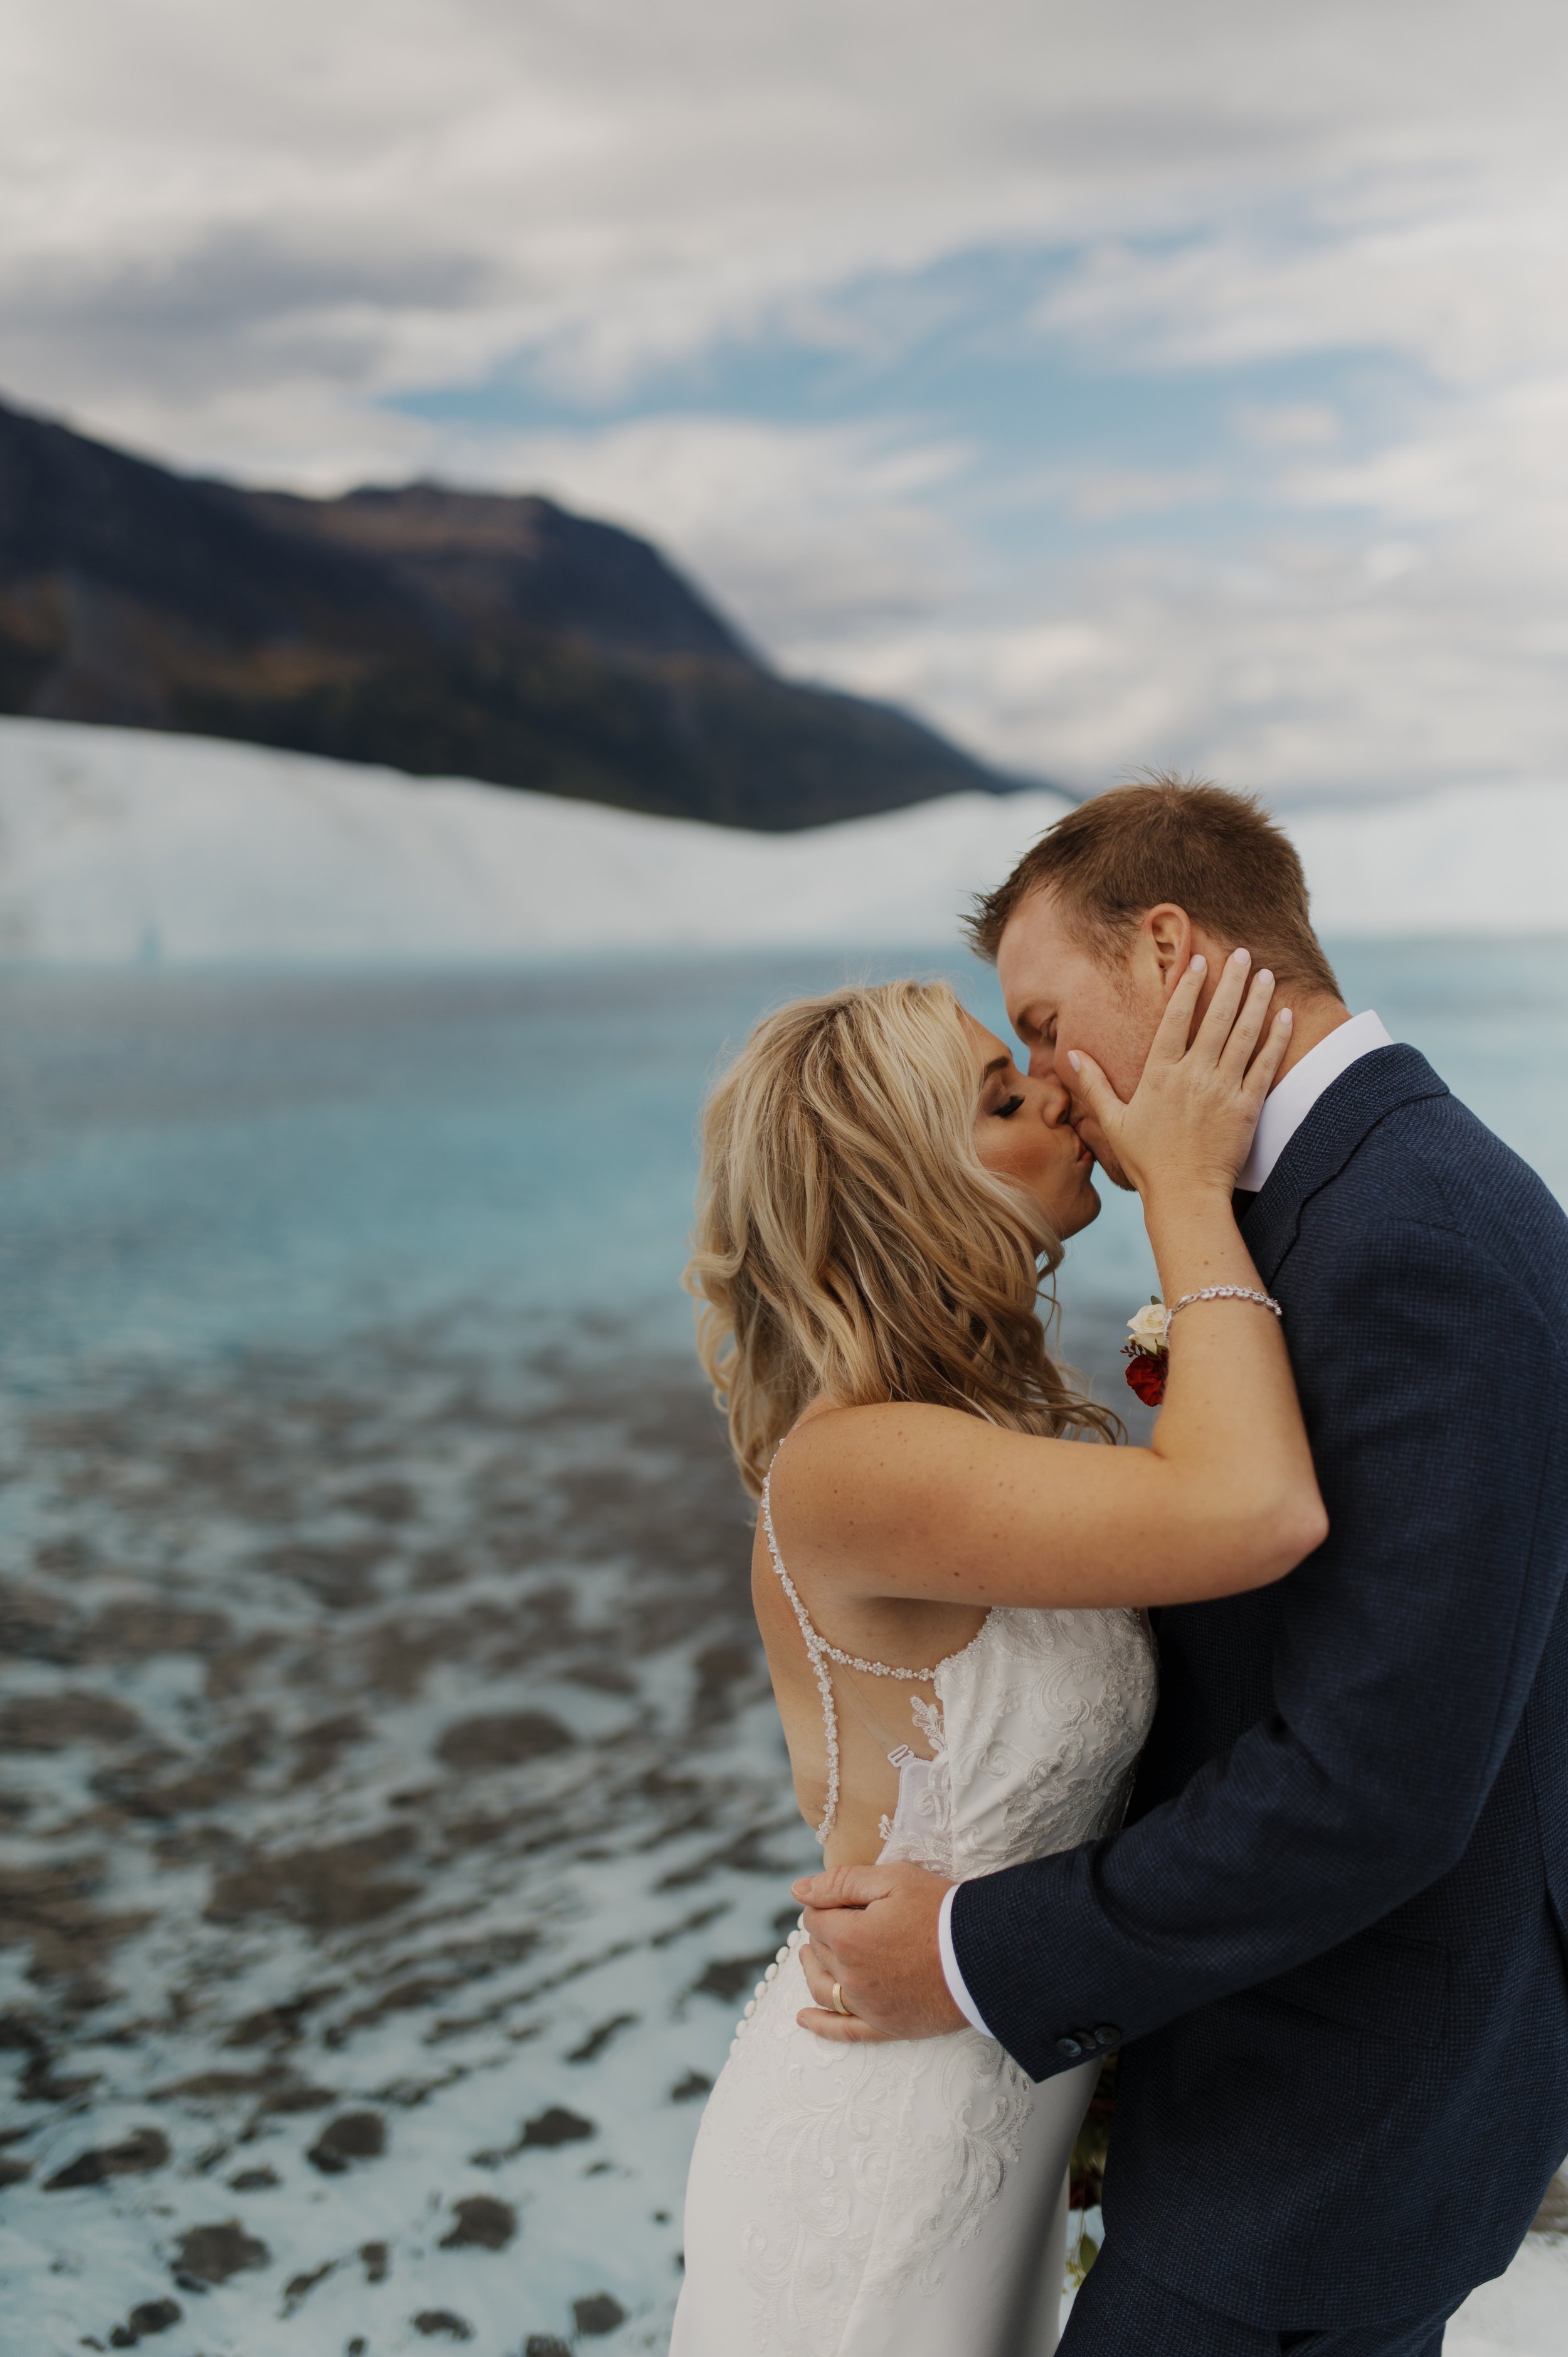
1406	1651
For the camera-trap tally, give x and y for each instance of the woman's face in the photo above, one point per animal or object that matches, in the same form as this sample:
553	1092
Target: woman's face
1022	1131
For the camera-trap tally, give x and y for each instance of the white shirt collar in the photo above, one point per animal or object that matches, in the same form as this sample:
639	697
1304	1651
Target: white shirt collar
1291	1100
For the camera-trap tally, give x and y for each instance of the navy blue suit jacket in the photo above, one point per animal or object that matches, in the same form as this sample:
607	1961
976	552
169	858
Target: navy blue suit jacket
1333	1928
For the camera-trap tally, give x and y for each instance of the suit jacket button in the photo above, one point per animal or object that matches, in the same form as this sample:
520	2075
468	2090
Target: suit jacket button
1108	2034
1070	2047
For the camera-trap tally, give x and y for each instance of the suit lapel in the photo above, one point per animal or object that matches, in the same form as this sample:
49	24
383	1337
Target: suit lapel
1349	1109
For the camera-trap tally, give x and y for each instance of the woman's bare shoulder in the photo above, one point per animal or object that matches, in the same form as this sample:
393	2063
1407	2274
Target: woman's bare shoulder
829	1435
843	1466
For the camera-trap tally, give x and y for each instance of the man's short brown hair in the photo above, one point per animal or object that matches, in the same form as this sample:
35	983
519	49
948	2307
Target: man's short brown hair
1215	853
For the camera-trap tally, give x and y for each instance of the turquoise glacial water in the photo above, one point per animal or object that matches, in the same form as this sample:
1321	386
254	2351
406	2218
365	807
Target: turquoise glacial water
392	1814
197	1163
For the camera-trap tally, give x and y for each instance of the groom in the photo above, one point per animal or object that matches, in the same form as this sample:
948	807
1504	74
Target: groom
1332	1932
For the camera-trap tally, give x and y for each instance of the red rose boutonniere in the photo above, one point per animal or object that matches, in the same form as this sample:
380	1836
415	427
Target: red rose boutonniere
1146	1354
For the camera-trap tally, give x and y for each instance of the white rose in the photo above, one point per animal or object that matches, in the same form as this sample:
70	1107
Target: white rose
1148	1328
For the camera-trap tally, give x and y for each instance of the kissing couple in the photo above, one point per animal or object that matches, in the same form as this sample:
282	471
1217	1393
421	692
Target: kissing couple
1245	1751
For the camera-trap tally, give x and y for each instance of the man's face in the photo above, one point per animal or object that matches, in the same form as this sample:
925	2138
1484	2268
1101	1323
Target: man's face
1061	994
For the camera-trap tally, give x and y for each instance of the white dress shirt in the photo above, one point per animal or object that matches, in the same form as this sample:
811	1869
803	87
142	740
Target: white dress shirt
1284	1109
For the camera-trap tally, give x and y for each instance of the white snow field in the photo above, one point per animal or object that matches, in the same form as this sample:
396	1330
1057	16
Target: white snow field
1523	2314
121	846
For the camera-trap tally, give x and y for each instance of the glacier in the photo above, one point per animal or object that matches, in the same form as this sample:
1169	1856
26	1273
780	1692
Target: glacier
123	846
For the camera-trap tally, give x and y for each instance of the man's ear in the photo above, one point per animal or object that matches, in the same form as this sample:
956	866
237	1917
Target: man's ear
1167	934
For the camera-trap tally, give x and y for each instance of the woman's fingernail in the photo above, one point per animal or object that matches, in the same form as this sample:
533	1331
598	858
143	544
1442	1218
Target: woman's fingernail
1264	975
1198	965
1072	1057
1286	1017
1240	957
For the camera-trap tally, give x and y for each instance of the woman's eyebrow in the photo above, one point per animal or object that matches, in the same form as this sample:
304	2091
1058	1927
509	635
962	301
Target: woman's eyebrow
997	1064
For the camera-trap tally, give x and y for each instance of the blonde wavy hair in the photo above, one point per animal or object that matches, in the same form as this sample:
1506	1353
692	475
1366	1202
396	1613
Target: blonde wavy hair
849	1240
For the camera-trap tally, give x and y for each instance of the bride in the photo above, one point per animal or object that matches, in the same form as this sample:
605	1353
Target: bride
949	1586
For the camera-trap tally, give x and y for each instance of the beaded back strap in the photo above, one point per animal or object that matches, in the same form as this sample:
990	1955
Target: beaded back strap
819	1653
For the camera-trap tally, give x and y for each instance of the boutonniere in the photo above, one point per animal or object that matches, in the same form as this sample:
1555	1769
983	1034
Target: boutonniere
1147	1354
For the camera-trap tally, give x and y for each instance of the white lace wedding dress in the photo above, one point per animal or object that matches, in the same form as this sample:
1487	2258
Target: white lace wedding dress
909	2199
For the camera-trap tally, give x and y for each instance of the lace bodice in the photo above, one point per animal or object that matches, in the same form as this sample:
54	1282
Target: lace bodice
1033	1739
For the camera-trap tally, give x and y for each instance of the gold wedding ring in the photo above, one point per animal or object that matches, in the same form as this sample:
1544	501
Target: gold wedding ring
839	2005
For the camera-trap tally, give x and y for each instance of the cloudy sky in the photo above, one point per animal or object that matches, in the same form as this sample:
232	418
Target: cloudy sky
1119	381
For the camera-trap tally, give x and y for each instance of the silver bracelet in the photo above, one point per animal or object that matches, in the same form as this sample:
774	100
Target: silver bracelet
1224	1292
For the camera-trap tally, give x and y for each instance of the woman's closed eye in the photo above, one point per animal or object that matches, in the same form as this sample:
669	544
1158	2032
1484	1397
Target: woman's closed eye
1007	1108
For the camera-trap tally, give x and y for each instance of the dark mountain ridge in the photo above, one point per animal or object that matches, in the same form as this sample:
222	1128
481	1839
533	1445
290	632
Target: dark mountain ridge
441	632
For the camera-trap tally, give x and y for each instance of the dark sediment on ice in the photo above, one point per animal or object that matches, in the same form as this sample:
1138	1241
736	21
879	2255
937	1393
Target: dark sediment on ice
395	1813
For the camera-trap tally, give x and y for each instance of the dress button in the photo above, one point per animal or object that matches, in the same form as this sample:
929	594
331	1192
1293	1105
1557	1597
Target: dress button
1108	2034
1070	2047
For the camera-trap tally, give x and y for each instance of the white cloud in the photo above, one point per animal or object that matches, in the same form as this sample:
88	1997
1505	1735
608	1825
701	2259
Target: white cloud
1367	664
1105	494
412	188
1457	276
803	530
1288	424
